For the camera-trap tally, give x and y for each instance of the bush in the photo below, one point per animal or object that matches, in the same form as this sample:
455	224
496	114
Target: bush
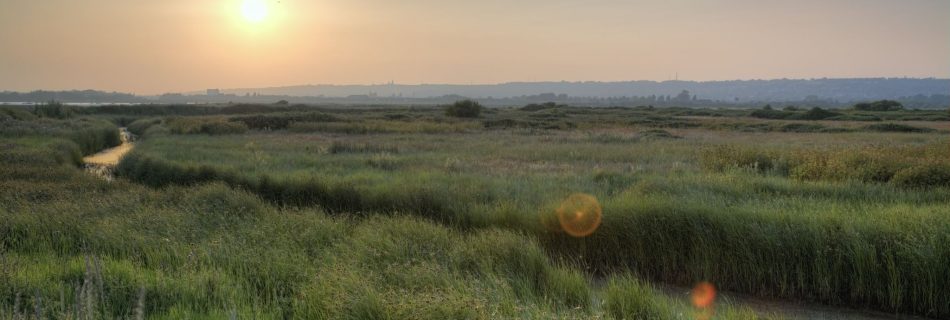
801	127
16	113
881	105
91	135
895	127
817	113
338	147
771	114
282	121
138	127
856	117
55	110
724	158
536	107
509	123
204	126
464	109
923	176
221	127
657	134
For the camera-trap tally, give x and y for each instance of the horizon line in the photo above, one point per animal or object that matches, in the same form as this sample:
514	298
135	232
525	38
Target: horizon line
480	84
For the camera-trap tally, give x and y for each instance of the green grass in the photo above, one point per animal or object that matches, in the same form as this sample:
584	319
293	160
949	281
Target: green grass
376	213
839	243
88	247
89	135
909	166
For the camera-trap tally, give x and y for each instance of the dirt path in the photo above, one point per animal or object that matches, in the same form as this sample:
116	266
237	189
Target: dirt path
104	162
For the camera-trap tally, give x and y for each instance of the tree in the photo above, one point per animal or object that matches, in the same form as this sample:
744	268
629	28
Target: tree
464	109
817	113
880	105
55	109
683	96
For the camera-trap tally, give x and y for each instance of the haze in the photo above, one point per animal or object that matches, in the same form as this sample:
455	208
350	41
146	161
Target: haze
180	45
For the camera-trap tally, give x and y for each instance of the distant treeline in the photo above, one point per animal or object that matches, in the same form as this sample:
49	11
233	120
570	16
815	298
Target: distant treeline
684	98
742	91
824	93
87	96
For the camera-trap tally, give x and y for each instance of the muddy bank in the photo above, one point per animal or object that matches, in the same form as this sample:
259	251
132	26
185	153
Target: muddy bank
103	163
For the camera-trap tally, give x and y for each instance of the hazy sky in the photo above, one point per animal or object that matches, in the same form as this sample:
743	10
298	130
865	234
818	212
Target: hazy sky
156	46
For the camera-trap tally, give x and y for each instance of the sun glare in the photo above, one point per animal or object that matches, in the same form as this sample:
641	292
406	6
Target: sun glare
579	215
254	10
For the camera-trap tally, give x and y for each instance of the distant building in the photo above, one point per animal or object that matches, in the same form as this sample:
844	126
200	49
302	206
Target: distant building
214	92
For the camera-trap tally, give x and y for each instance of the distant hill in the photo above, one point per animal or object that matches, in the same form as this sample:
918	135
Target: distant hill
74	96
914	93
842	90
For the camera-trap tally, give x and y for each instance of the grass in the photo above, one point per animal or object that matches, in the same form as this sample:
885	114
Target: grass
373	215
905	166
95	249
89	135
809	241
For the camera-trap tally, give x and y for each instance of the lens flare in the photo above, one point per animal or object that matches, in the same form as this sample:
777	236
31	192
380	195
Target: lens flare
579	215
703	295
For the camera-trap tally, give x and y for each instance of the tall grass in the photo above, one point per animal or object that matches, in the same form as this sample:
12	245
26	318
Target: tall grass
90	135
211	126
907	166
457	225
843	243
95	249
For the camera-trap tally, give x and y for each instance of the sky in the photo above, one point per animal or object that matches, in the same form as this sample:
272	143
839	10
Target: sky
158	46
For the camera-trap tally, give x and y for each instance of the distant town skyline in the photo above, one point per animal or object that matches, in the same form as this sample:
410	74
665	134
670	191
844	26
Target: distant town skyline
156	47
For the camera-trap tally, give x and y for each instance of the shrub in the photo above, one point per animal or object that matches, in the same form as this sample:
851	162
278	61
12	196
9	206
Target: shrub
16	113
282	121
464	109
801	127
771	114
179	125
536	107
657	134
222	127
383	161
895	127
923	176
338	147
55	110
856	117
881	105
817	113
138	127
508	123
723	158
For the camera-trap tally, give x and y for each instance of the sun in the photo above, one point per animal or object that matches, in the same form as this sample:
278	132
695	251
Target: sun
254	10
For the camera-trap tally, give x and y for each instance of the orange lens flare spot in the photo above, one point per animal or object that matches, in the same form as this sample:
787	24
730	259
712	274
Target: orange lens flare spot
579	215
703	295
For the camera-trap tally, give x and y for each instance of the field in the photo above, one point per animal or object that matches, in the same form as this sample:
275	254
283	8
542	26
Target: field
392	213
